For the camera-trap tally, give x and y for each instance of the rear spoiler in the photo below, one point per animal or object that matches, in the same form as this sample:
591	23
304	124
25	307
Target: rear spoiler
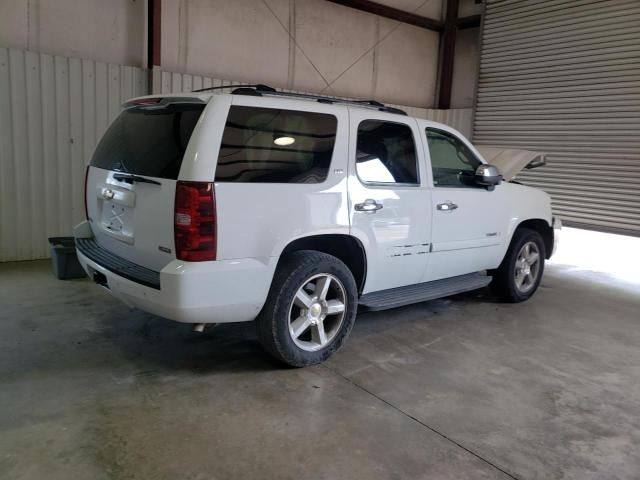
152	102
511	161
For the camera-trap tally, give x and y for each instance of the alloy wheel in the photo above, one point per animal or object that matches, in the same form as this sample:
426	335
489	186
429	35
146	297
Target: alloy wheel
527	267
317	312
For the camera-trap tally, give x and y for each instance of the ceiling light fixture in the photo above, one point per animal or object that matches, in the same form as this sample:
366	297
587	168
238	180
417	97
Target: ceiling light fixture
284	141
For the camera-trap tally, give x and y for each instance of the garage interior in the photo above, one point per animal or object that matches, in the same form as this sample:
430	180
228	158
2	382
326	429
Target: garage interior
463	387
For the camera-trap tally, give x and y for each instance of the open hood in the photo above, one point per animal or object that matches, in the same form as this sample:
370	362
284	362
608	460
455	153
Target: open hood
511	161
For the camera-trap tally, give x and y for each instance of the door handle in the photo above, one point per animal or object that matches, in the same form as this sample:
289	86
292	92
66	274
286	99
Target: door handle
447	206
369	206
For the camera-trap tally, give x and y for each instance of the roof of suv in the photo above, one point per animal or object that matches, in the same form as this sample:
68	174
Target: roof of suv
511	161
205	95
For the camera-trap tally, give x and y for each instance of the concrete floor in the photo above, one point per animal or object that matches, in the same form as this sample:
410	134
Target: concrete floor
462	388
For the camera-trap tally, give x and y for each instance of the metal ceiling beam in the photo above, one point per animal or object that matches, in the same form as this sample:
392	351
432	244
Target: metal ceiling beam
452	24
392	13
447	54
154	16
154	21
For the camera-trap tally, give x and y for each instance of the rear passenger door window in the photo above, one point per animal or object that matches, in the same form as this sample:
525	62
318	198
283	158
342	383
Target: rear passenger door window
267	145
386	153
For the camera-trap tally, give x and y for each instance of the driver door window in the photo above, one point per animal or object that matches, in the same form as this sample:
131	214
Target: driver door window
452	163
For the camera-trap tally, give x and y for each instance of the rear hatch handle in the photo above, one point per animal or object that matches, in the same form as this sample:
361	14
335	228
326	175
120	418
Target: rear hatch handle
130	178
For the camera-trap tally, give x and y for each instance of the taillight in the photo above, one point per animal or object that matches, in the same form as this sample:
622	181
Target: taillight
86	180
194	224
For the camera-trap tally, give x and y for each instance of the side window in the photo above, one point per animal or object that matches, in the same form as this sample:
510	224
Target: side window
452	163
386	153
266	145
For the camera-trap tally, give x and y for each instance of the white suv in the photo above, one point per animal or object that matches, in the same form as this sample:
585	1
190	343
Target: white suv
295	210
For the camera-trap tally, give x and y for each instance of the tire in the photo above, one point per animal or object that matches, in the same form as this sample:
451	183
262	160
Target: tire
512	281
295	313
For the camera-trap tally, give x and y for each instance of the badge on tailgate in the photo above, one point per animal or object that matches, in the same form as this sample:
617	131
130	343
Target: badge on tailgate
126	198
115	212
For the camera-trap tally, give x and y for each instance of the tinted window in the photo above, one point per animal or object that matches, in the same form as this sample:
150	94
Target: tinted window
276	146
386	153
148	141
452	163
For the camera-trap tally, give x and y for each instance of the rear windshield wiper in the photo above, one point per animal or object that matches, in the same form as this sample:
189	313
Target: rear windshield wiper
130	178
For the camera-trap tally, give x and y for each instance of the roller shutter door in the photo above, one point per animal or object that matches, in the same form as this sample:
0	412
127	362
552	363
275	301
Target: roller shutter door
563	77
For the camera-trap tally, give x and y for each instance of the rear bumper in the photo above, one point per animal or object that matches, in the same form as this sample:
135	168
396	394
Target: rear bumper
205	292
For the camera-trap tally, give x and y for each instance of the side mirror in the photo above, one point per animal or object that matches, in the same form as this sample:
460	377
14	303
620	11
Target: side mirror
488	176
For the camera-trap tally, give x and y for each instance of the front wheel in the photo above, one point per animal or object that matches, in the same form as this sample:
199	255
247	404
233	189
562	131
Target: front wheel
310	309
518	276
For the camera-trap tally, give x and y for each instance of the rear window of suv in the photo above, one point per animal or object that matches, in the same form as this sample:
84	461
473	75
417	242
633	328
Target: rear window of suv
148	140
266	145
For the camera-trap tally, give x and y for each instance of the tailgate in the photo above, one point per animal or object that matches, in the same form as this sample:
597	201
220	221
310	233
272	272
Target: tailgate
132	178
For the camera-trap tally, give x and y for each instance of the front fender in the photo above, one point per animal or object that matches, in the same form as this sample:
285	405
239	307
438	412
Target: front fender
526	203
532	208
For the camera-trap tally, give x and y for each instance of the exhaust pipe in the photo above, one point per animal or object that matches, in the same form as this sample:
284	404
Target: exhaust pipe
199	327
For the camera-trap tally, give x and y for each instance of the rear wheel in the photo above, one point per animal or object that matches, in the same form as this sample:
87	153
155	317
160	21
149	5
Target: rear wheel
310	309
518	276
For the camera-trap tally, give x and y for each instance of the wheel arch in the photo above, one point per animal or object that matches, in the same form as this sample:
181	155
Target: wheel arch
345	247
543	228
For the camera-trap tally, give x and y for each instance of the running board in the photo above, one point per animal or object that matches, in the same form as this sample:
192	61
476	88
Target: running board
423	292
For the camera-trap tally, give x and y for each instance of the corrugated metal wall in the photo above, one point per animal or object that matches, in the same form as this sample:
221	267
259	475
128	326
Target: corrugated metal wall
53	110
563	77
166	82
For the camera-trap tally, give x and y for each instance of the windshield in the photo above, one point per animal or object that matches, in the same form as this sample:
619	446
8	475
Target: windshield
148	140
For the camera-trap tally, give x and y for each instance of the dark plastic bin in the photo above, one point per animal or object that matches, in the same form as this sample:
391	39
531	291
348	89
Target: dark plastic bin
64	259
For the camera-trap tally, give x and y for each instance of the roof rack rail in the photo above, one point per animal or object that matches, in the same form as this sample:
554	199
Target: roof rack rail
260	89
258	86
